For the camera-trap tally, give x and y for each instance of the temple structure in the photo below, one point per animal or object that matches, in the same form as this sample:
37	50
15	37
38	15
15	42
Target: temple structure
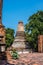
2	30
20	42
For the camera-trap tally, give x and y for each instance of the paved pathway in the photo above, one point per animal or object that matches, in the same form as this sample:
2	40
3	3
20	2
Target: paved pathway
25	59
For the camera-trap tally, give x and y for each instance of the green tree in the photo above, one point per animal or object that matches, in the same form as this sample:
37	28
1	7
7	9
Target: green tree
9	36
33	28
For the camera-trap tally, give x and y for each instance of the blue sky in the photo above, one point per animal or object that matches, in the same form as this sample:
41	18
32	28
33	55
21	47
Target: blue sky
16	10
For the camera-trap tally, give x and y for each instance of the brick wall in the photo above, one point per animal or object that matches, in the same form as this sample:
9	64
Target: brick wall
40	43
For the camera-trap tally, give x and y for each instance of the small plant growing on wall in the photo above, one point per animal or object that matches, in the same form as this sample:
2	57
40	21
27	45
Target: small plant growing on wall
14	54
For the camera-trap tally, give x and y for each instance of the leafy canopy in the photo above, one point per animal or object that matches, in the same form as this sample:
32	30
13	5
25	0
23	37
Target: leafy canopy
33	28
9	36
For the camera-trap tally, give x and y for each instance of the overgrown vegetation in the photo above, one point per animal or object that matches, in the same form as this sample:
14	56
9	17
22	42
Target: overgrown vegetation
9	36
33	28
14	54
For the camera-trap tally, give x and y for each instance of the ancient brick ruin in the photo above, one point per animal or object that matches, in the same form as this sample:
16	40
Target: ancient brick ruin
2	30
40	43
2	35
20	41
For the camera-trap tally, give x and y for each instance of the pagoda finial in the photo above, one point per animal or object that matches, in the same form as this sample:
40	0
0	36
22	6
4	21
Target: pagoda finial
20	26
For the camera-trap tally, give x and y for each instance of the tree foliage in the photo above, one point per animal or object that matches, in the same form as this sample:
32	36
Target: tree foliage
33	28
9	36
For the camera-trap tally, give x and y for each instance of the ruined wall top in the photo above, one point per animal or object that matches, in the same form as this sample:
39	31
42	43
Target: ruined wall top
1	1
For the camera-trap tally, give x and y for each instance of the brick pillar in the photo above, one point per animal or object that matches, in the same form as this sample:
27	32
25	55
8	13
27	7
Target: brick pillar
40	43
2	37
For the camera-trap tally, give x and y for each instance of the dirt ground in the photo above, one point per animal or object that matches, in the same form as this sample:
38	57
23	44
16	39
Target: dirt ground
24	59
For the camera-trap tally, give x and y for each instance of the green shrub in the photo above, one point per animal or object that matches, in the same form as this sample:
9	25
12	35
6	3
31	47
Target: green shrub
15	54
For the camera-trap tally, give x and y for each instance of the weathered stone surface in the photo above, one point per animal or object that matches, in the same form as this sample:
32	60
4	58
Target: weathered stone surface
2	34
1	11
19	41
40	43
25	59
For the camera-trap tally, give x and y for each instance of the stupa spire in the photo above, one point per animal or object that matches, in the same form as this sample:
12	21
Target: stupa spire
20	41
20	26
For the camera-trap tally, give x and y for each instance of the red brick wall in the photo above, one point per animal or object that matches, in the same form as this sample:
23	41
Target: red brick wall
40	43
